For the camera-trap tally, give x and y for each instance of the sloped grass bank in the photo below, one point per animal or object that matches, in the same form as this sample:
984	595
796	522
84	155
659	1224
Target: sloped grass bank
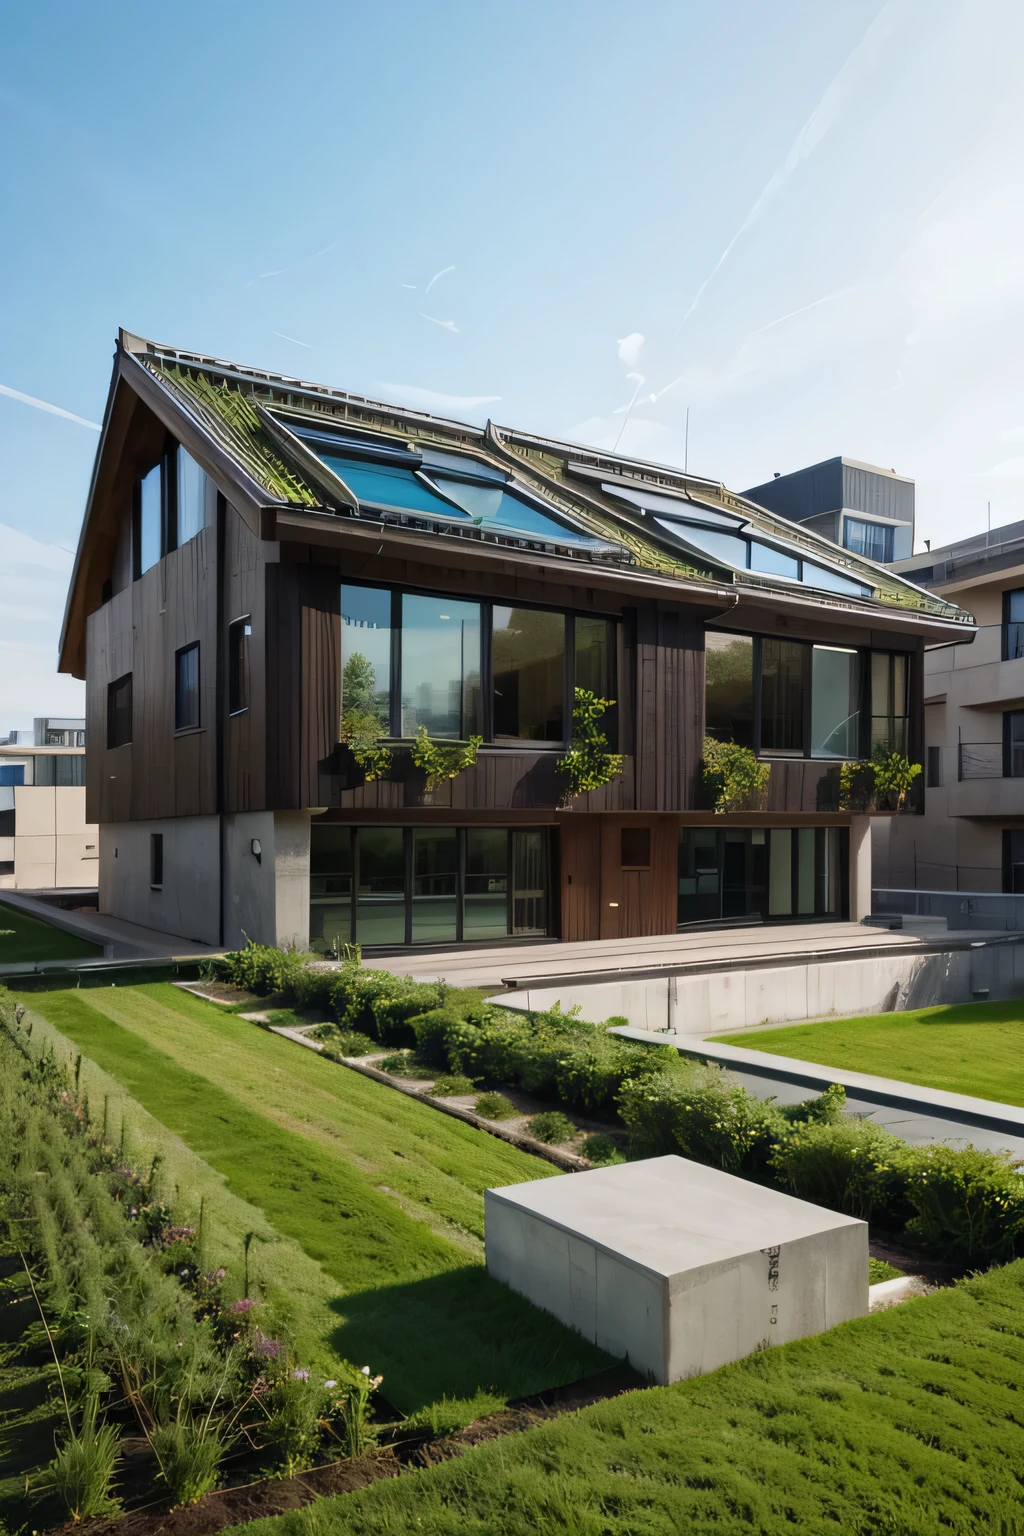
385	1193
24	938
908	1422
975	1048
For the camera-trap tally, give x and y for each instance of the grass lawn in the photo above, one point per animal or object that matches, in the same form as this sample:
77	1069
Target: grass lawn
29	938
384	1192
908	1423
975	1048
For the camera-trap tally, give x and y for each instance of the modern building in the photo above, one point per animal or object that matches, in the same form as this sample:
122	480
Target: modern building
45	840
864	509
48	731
971	837
263	559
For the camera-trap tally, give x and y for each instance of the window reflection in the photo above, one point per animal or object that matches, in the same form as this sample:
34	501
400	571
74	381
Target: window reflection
529	675
150	518
440	667
835	702
366	653
729	688
784	682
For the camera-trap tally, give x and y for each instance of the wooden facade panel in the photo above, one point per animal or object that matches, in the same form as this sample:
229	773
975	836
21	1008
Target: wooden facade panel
669	706
638	902
580	869
320	626
245	760
284	687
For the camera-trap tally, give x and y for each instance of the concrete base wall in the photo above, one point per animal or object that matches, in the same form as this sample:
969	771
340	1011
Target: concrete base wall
789	994
266	894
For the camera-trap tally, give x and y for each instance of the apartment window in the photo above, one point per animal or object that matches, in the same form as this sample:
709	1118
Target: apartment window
729	688
156	860
186	688
1013	744
119	711
934	768
889	700
835	702
635	847
528	649
1013	625
785	683
6	866
150	521
7	823
193	493
440	659
1013	862
66	770
239	635
366	653
872	540
12	773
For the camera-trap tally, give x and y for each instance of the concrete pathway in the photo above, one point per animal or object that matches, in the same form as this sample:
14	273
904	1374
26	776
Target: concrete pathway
548	964
119	940
919	1115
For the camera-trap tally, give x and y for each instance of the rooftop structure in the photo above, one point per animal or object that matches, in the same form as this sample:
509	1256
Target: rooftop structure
864	509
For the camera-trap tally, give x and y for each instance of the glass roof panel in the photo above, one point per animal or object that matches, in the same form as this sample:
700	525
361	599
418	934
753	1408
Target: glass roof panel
495	508
720	546
772	561
831	581
389	485
459	464
673	506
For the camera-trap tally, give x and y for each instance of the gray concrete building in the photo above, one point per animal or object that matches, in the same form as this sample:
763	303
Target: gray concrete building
861	507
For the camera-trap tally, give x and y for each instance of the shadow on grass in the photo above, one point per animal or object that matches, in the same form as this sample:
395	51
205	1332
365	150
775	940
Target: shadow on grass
1011	1012
456	1334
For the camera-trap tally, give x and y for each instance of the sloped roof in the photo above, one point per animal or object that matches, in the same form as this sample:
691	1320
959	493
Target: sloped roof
237	410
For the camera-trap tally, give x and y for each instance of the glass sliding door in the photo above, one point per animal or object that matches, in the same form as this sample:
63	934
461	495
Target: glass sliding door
777	873
330	889
835	702
485	892
780	877
440	667
435	873
530	882
380	887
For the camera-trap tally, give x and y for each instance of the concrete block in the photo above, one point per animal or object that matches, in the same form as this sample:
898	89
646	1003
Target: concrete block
677	1267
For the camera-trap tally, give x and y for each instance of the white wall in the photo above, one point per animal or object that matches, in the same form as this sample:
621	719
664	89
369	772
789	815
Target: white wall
53	844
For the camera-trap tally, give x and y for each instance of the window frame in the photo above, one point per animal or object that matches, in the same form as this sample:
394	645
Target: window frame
196	724
118	682
611	720
865	653
156	861
1014	653
239	667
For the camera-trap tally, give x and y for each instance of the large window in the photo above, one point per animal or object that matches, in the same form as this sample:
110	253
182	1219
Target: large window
729	688
1013	744
427	885
889	699
795	699
759	873
461	669
239	636
528	647
150	500
1013	625
194	499
119	711
173	502
872	540
11	774
440	667
62	770
186	688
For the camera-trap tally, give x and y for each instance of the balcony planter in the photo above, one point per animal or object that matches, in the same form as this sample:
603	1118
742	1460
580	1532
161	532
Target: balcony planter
732	777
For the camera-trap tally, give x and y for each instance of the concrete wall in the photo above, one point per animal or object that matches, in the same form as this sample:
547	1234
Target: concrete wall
787	994
266	898
53	845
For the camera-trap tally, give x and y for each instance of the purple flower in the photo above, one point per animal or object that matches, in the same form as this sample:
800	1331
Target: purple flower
300	1375
265	1348
245	1305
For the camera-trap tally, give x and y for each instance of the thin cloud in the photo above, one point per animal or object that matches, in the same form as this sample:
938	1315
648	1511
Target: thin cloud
410	286
791	315
629	348
433	399
295	340
446	325
44	405
833	103
443	273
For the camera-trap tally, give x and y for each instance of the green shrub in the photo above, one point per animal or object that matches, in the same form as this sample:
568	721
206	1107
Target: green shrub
293	1424
879	1271
189	1455
829	1108
405	1064
602	1150
969	1203
552	1127
854	1166
451	1085
82	1472
495	1106
344	1042
700	1113
263	970
432	1030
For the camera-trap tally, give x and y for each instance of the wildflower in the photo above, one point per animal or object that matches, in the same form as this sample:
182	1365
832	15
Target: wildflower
366	1370
330	1383
300	1375
243	1305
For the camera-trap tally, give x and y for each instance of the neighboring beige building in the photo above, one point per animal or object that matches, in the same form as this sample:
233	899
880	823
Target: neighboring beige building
971	837
45	841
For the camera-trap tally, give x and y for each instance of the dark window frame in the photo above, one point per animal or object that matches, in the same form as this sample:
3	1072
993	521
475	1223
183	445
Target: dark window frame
181	725
239	664
865	653
933	773
156	861
1012	637
114	711
610	721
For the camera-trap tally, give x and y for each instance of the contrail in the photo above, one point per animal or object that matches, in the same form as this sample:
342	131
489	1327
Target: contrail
44	405
443	273
295	339
834	101
792	315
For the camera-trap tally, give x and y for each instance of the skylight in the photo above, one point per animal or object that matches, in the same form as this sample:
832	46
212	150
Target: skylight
745	554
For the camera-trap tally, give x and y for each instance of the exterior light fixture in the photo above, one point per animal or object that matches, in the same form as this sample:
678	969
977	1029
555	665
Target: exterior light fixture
256	849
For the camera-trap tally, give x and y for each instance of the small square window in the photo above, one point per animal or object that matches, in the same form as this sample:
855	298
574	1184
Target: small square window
119	711
156	860
239	634
186	688
7	823
6	866
636	847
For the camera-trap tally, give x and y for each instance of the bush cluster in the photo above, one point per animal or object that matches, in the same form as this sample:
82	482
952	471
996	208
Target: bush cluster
965	1204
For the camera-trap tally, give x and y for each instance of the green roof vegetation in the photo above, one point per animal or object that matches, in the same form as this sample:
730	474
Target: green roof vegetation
24	938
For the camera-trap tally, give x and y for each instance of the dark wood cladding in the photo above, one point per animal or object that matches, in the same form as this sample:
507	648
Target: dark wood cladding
160	772
602	900
669	709
245	733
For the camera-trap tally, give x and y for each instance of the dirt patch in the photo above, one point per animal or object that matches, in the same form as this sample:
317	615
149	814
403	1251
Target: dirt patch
910	1261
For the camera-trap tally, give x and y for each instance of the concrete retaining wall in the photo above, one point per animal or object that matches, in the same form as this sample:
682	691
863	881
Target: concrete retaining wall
789	994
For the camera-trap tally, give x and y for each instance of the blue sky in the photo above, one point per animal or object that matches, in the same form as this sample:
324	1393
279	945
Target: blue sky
802	221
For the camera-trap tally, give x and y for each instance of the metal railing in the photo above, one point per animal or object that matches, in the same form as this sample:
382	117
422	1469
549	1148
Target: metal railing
961	909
